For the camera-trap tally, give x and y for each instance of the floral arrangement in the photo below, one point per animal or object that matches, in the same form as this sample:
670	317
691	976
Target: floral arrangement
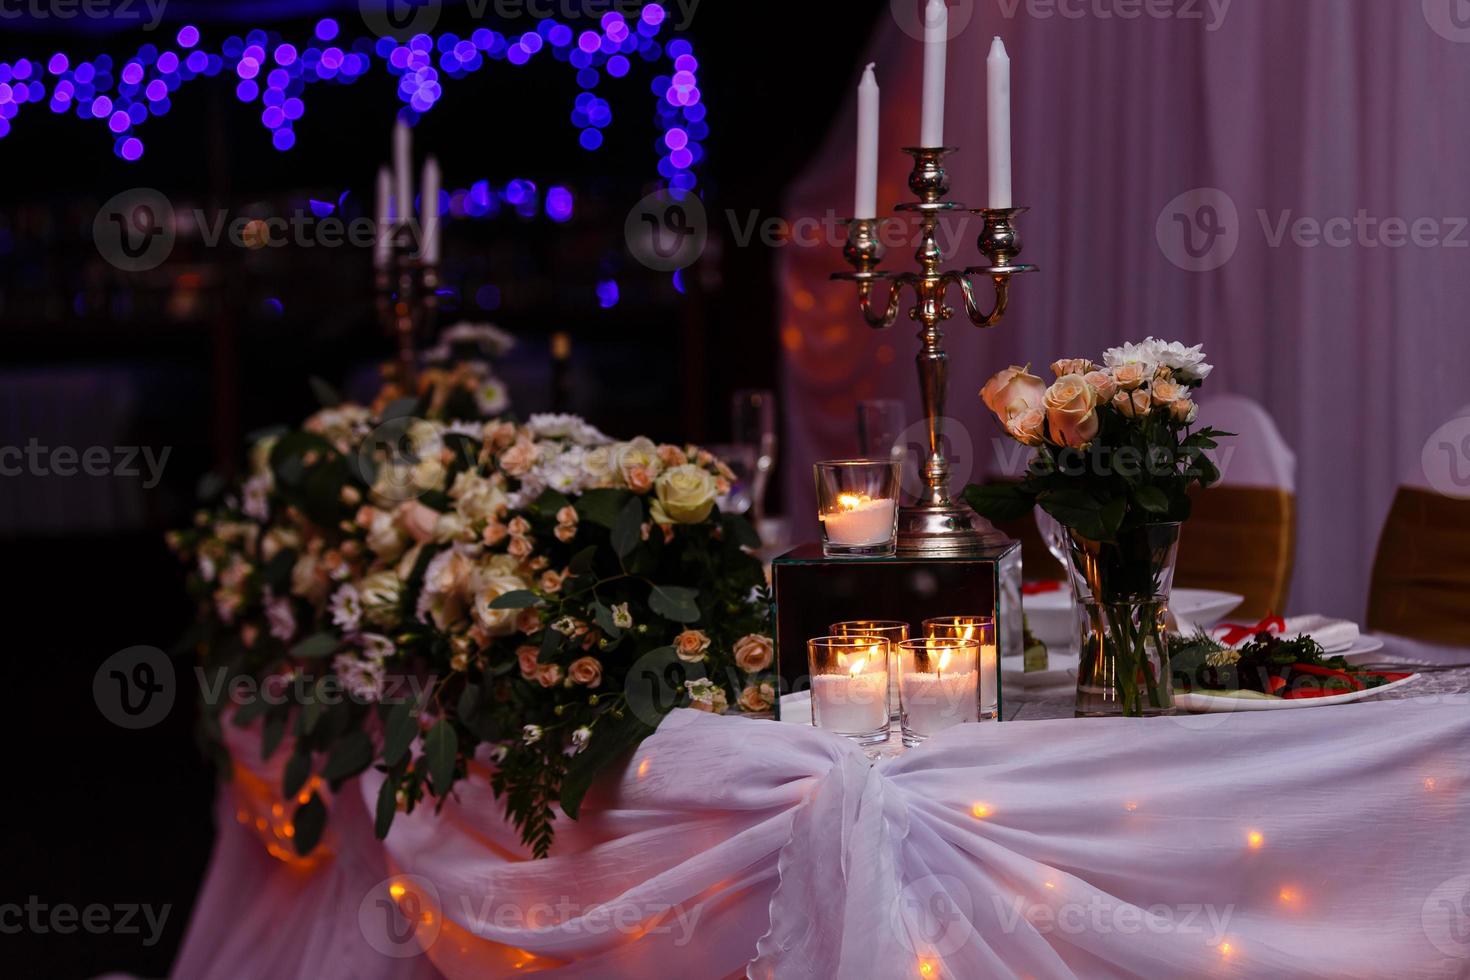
532	596
1114	446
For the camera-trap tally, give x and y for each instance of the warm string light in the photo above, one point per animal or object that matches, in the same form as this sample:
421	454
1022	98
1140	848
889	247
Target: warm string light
273	73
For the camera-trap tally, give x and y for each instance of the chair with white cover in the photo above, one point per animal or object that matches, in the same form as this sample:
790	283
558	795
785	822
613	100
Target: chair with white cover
1241	534
1421	575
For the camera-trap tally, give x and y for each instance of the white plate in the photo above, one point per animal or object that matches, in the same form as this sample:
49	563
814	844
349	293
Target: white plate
1359	651
1061	671
1211	704
1049	614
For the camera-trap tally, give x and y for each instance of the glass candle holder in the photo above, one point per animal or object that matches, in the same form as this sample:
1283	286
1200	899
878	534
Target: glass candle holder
857	503
850	686
981	629
895	632
938	685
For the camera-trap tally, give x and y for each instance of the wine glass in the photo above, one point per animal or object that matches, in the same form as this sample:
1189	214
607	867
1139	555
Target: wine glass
753	424
741	459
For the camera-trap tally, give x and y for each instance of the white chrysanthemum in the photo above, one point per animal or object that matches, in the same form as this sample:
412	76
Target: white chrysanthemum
280	616
376	646
1131	353
580	737
491	396
551	425
363	679
531	734
346	608
1187	363
490	339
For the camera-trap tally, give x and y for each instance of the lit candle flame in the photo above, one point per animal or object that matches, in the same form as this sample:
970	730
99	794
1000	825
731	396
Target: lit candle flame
850	501
944	659
857	666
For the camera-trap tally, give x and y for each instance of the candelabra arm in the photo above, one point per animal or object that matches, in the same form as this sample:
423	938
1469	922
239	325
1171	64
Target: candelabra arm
972	306
886	314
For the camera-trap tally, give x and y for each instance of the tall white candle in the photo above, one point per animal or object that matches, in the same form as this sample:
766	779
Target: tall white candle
998	122
383	244
431	230
402	171
936	40
865	204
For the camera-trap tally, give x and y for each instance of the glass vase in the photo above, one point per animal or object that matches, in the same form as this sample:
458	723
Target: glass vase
1122	589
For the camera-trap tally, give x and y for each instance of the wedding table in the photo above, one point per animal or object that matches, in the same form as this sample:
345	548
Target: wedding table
1329	841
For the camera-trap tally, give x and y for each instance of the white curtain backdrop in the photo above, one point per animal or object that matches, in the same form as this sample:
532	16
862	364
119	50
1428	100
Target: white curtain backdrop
1309	109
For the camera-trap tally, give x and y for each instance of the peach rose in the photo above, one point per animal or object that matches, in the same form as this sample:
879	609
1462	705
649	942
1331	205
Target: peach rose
519	547
548	675
1165	393
1134	405
1012	392
519	458
526	656
1131	375
1184	410
528	621
586	671
551	582
1102	382
1072	365
690	645
417	520
565	532
500	435
519	525
753	652
1028	428
567	515
672	456
639	479
494	533
757	697
1071	409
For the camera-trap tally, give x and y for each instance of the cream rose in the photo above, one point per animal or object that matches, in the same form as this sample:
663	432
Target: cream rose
690	645
757	697
686	495
1131	375
416	520
1028	428
640	454
1132	405
1102	382
753	652
586	671
1071	409
488	588
1012	392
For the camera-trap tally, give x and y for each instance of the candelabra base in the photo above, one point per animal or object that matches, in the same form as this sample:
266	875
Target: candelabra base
945	530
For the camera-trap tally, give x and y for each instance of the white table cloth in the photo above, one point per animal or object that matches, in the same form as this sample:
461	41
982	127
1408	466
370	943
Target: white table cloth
1329	842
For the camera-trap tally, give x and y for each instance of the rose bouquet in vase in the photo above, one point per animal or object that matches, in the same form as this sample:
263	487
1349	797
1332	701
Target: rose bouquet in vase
1116	456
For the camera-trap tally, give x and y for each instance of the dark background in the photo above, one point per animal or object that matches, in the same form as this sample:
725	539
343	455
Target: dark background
97	814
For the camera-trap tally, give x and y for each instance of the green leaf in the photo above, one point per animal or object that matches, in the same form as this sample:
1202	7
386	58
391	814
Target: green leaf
298	768
325	394
674	602
440	747
316	646
399	731
603	617
1112	515
611	739
350	756
627	532
741	532
583	560
602	506
549	503
310	820
1076	510
1152	499
387	807
551	644
469	701
400	409
518	599
999	502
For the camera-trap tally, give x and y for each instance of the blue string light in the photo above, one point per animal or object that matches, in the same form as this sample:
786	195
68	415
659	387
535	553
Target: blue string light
276	72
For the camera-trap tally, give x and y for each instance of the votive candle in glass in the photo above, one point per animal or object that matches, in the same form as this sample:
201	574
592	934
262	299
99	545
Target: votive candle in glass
895	632
857	503
850	686
981	629
938	685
